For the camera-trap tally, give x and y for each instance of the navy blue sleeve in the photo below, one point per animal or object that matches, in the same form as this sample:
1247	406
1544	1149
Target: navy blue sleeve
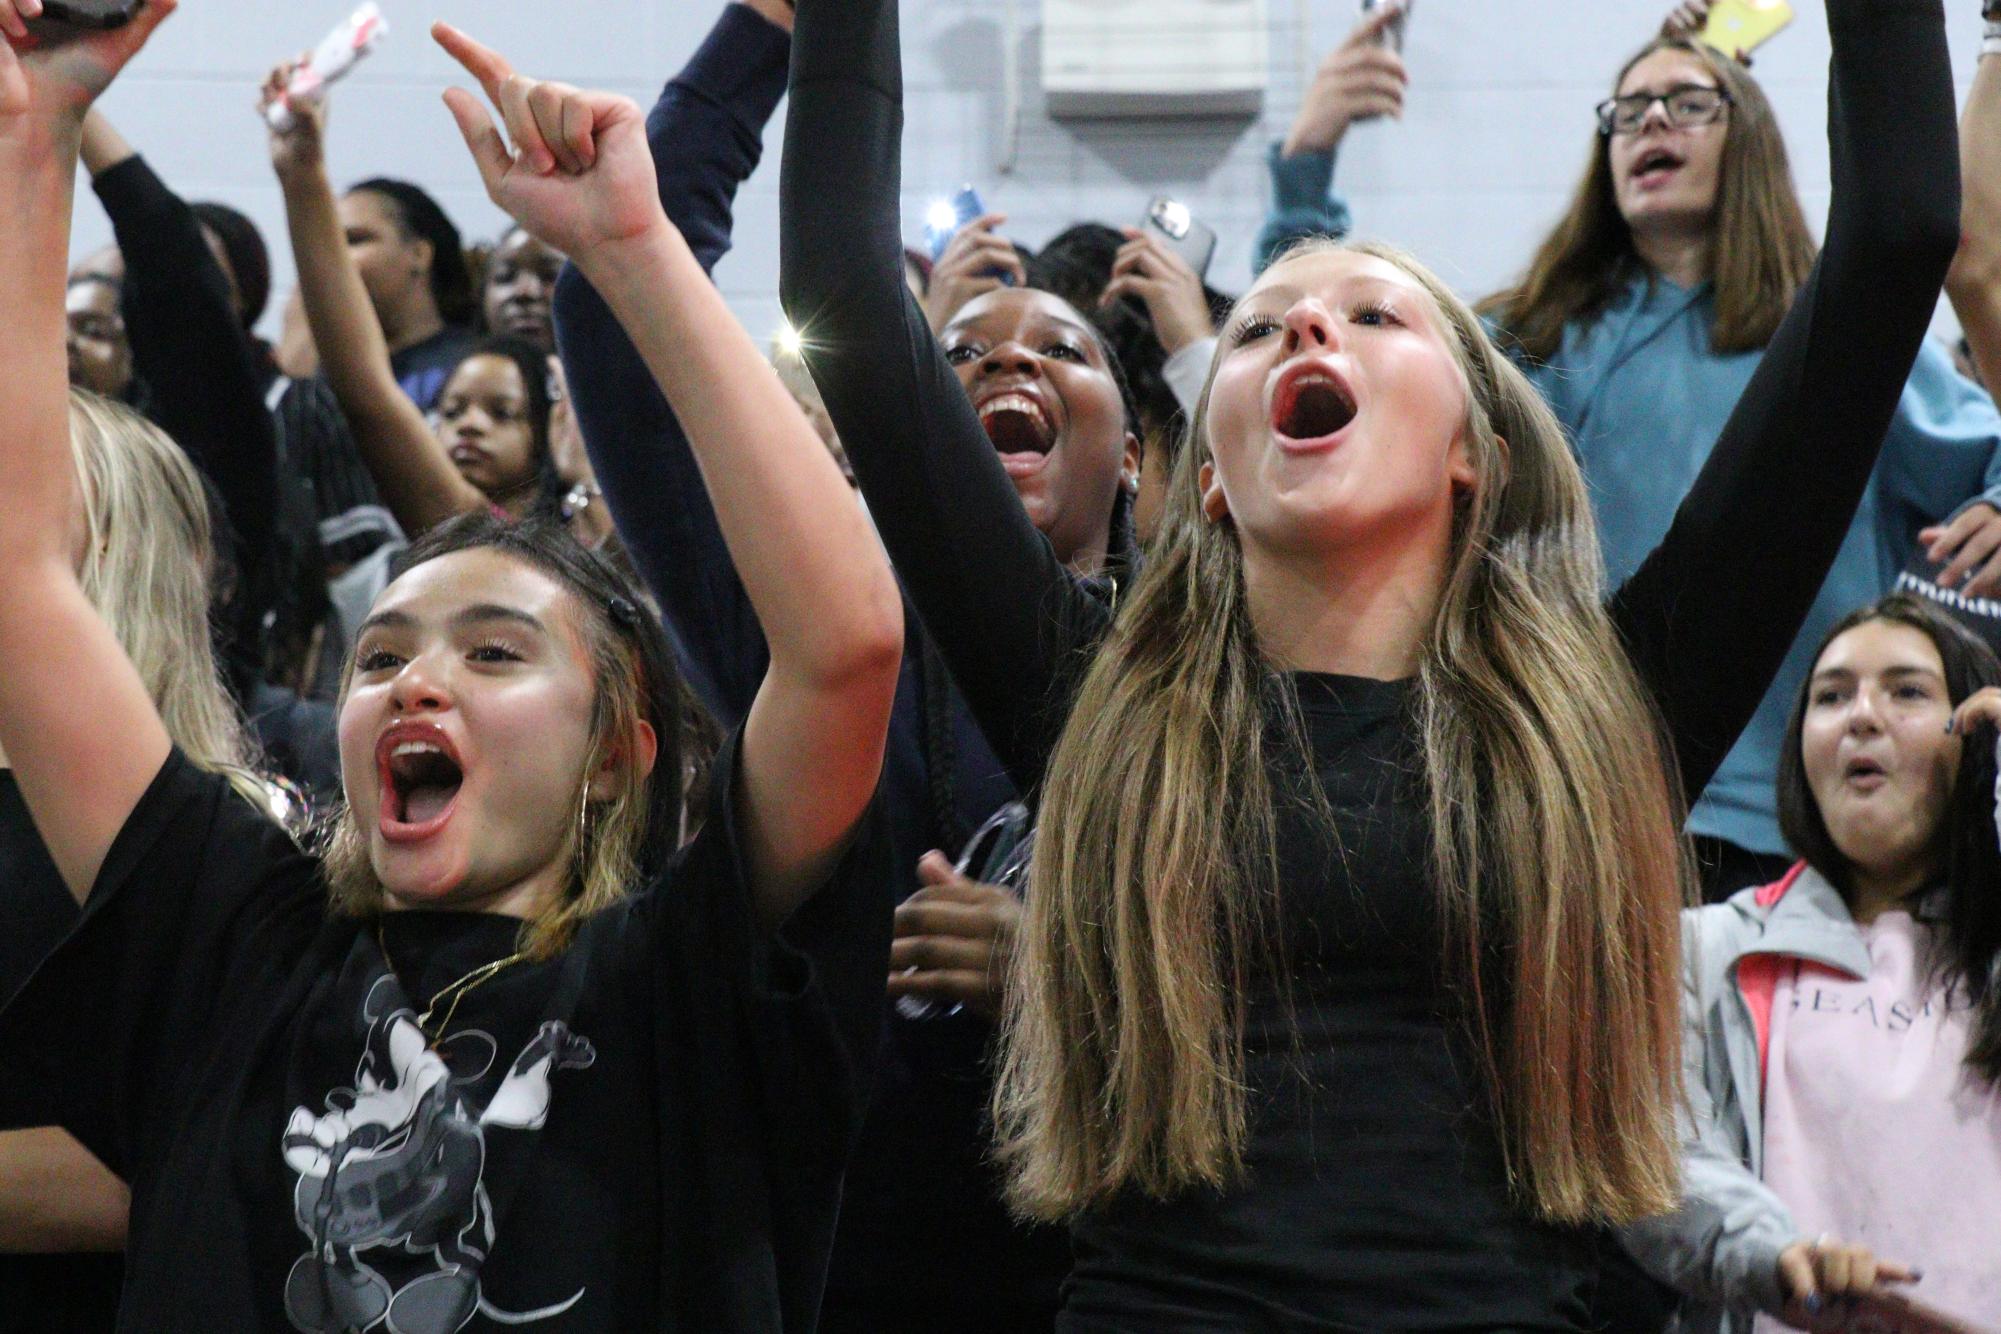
1709	616
706	133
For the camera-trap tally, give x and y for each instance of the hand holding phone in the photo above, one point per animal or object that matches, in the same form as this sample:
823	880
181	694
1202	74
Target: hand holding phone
1739	27
62	60
1182	232
63	20
1391	34
1155	271
972	258
1362	79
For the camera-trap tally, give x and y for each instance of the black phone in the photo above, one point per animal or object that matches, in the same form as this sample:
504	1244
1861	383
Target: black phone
70	18
1170	220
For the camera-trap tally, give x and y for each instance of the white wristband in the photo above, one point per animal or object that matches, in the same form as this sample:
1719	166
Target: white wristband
1990	44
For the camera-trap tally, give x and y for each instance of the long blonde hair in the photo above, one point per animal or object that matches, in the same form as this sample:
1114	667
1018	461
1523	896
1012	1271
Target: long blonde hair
1555	850
1761	254
146	568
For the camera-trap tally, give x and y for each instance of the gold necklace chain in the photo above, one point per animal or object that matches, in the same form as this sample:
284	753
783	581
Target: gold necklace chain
455	991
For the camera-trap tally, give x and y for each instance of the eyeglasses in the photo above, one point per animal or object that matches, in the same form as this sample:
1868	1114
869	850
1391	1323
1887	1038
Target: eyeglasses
1687	105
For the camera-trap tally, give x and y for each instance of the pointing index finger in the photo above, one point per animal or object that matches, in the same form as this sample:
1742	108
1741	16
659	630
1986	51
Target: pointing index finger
480	61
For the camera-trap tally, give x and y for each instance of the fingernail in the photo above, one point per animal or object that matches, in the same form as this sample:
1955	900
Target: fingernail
1813	1303
1917	1275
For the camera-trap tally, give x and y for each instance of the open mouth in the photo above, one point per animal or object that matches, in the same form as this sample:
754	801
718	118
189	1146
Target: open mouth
525	316
1865	772
466	454
1312	405
1655	164
1017	424
421	777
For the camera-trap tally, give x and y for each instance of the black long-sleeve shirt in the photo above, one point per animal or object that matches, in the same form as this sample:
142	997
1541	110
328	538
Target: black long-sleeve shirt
1374	1196
921	1221
205	387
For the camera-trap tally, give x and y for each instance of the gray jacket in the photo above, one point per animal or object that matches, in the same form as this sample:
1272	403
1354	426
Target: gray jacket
1721	1248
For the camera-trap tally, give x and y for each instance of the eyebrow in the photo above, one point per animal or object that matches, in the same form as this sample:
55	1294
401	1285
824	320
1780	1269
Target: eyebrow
1850	674
1678	87
1074	326
477	614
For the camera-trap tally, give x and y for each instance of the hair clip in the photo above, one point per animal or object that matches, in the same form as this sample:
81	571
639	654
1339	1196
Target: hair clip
623	613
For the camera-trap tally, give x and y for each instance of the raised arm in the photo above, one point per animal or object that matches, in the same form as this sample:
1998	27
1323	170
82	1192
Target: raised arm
581	179
190	347
1710	615
1975	281
76	723
705	134
417	480
1361	79
1007	616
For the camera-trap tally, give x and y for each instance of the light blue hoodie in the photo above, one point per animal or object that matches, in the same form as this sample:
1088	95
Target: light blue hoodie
1643	399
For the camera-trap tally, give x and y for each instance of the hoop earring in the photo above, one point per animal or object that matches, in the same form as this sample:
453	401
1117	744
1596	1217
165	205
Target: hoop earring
582	855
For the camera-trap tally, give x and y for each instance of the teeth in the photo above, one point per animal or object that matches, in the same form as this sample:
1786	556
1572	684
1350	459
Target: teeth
1311	379
1014	403
415	748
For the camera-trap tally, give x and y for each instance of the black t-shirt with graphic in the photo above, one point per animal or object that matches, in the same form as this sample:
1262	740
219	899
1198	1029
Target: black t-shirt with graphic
646	1132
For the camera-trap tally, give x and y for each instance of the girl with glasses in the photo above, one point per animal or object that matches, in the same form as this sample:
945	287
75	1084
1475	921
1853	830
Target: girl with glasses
1641	319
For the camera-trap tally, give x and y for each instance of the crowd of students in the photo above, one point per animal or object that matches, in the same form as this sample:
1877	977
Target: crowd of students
1065	801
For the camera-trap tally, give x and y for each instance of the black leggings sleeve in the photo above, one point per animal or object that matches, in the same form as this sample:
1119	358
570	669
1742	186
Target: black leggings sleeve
1709	616
1008	617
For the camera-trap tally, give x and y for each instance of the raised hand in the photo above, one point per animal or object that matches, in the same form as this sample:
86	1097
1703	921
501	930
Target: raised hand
579	174
304	144
1361	79
40	81
1980	709
1685	20
970	267
1148	268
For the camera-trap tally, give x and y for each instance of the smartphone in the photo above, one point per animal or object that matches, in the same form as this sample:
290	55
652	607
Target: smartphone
69	18
1392	36
944	218
1744	25
1170	220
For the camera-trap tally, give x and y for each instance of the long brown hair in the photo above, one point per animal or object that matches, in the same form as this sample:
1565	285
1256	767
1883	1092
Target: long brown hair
1760	254
1556	852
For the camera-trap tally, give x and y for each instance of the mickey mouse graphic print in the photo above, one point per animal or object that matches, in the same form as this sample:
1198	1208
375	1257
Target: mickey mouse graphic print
391	1191
644	1133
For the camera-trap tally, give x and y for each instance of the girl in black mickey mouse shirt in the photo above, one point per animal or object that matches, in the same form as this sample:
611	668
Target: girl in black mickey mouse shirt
504	1053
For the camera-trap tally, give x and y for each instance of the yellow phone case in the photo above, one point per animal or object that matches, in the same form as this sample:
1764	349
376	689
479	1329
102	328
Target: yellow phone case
1745	25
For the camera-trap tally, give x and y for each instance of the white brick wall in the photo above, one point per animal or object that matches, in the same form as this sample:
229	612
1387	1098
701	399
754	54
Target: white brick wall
1497	126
